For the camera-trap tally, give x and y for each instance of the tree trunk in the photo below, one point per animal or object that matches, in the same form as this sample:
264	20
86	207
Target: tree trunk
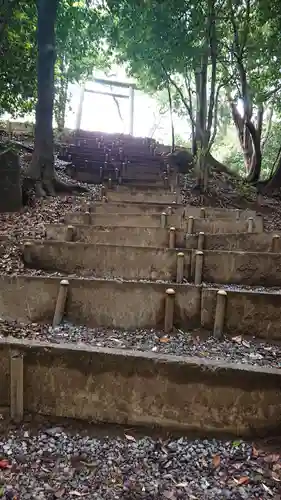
171	118
41	169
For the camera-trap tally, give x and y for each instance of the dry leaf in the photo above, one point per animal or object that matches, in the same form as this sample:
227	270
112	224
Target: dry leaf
75	493
181	485
242	480
246	344
216	461
267	489
60	493
273	458
237	339
130	438
164	340
255	452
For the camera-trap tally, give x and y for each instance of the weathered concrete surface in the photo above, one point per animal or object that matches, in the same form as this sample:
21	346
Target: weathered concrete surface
117	235
242	268
247	313
136	208
247	242
108	385
178	209
124	219
226	225
110	261
110	304
127	195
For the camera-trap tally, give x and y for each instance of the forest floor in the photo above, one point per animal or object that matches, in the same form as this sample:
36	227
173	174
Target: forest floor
49	461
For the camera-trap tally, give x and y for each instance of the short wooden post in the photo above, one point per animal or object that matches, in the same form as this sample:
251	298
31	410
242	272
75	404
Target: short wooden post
87	218
168	169
180	267
69	233
201	241
103	191
202	213
101	172
16	386
250	225
172	237
109	183
163	219
166	182
275	243
198	267
237	214
220	313
169	210
27	252
61	302
104	199
190	225
116	173
169	310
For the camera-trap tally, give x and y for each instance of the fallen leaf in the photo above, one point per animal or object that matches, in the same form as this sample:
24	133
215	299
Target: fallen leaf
59	493
4	464
75	493
242	480
164	340
130	438
237	339
267	489
275	476
169	495
216	461
255	452
181	485
246	344
235	444
273	458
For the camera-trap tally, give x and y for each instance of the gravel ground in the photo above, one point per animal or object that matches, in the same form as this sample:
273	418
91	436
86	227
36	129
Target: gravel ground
54	463
236	349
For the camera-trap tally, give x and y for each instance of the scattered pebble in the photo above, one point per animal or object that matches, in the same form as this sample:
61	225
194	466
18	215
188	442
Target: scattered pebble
232	350
52	463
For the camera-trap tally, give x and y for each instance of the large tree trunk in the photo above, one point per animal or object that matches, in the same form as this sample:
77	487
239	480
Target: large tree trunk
41	169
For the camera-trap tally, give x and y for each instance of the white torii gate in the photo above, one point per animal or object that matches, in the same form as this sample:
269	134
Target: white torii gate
130	86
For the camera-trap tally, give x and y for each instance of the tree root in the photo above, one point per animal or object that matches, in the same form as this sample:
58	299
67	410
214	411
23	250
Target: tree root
46	187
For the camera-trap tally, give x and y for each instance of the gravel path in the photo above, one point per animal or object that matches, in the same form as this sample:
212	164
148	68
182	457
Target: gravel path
180	343
53	463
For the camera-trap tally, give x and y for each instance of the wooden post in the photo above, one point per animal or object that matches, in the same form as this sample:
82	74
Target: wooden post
169	210
103	191
104	199
9	130
109	183
220	313
250	225
201	240
16	386
190	225
163	219
116	173
87	218
202	213
198	267
180	267
169	310
27	252
166	182
69	233
237	214
172	237
61	302
275	243
101	172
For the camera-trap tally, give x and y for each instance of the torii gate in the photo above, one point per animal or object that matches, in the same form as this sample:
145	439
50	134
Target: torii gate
131	86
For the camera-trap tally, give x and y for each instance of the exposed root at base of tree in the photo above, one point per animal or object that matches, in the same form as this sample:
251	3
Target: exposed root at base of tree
43	188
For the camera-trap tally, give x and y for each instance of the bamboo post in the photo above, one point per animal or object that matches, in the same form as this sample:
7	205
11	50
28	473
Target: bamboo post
220	314
190	225
169	310
69	233
180	267
172	237
275	243
198	267
250	225
202	213
164	219
16	386
61	302
201	241
27	252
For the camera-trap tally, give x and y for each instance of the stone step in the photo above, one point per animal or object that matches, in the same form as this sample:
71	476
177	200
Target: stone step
163	220
110	385
137	305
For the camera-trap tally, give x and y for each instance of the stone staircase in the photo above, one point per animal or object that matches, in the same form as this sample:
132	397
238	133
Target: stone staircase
138	259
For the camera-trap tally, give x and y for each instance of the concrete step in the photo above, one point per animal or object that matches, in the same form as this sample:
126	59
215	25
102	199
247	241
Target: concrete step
133	305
